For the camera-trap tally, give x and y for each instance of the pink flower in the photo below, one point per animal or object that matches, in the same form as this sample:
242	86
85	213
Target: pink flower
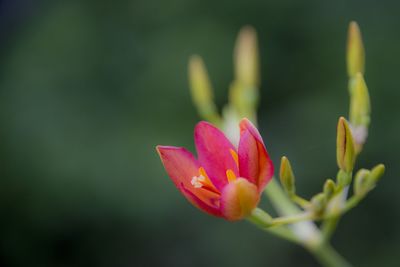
224	181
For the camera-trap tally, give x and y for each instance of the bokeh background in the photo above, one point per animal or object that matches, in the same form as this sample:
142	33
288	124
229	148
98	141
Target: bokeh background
88	88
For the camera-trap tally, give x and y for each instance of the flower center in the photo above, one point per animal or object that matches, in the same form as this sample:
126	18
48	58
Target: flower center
202	181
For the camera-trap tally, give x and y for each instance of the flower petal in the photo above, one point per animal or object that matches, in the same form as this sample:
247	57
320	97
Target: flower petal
197	202
238	199
181	167
254	161
245	124
179	163
214	153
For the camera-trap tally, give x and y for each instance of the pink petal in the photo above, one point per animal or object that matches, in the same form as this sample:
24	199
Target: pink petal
181	167
179	163
254	161
238	199
246	125
197	202
214	153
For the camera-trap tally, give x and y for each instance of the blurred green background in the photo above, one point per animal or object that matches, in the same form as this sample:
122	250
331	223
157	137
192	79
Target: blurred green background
88	88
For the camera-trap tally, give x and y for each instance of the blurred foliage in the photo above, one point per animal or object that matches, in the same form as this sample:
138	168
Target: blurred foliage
88	88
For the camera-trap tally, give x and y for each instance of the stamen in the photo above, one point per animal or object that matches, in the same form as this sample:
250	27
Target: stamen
202	181
230	175
234	156
202	172
197	181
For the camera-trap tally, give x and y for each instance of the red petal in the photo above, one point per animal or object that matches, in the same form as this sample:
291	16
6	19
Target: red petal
254	161
181	167
214	152
246	125
197	202
179	163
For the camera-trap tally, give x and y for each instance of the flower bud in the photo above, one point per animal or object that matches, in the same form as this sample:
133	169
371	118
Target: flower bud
286	176
359	103
355	50
246	58
361	182
202	93
345	152
360	111
329	188
377	172
366	180
243	92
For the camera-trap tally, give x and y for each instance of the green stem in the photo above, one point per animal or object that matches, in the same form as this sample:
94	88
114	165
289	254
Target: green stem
329	227
322	251
306	231
263	220
279	199
304	216
335	211
328	257
352	202
300	201
316	245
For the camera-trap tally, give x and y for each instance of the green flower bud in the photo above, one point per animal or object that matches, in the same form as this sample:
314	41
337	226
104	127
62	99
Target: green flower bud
361	182
246	58
360	107
360	110
329	188
355	50
201	90
377	173
287	177
243	92
345	151
366	180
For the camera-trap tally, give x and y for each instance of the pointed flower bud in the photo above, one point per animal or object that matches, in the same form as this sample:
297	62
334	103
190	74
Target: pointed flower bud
202	93
345	146
329	188
243	92
355	50
360	110
377	172
286	176
246	58
366	180
361	181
